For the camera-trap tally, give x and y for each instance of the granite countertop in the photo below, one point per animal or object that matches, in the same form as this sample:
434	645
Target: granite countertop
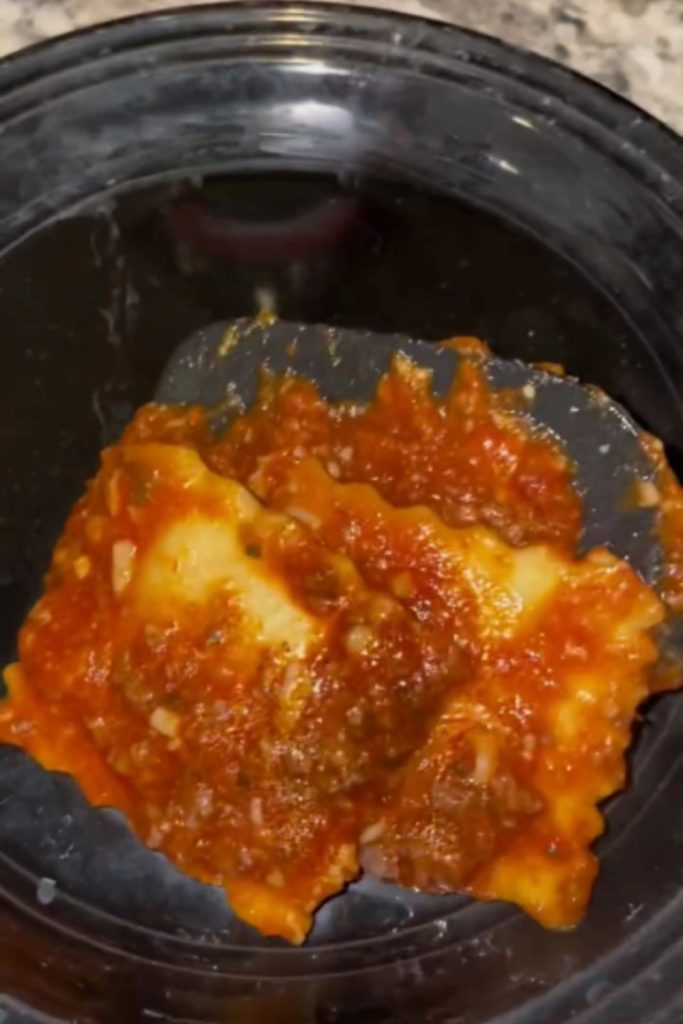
633	46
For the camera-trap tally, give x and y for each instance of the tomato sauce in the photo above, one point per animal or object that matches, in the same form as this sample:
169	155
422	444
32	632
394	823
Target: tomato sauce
473	458
429	727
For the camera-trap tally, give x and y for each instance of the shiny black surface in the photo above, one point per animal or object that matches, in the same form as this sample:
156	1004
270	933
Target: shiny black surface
363	170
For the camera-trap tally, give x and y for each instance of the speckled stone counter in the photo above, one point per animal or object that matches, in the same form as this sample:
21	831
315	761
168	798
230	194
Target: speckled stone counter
633	46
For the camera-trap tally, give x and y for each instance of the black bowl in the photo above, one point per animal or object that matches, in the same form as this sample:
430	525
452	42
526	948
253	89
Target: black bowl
357	168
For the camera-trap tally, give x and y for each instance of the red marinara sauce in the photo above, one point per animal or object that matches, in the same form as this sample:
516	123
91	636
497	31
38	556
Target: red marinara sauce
333	637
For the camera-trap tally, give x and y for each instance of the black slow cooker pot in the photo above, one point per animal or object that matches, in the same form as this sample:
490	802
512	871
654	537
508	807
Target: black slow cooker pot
356	168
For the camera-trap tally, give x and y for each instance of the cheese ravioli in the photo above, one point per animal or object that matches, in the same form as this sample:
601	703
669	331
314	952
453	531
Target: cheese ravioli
287	660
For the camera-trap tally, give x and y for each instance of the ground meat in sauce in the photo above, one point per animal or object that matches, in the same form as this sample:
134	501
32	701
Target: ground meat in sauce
472	458
417	740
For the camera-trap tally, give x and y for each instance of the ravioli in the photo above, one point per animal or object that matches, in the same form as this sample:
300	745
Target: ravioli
284	676
501	800
195	660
